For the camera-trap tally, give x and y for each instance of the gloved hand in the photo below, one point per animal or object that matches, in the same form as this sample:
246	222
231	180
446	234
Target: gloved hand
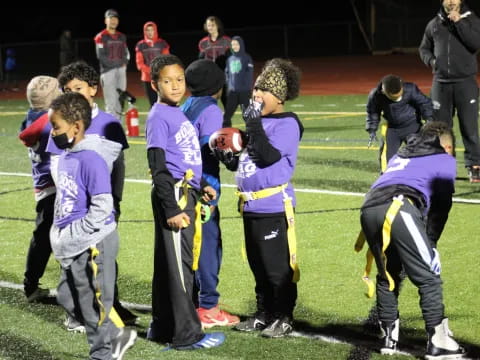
224	156
373	137
252	112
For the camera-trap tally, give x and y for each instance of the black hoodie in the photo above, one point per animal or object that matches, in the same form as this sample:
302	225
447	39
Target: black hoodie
450	48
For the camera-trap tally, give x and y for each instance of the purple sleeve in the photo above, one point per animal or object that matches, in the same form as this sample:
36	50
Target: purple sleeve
286	136
157	134
210	121
95	174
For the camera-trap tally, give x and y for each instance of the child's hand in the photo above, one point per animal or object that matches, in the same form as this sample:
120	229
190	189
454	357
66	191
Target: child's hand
179	221
208	194
253	111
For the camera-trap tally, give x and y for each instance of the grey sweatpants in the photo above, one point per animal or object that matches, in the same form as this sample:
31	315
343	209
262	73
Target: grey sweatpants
111	81
76	293
409	248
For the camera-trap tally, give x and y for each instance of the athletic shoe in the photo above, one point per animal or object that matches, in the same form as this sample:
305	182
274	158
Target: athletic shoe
126	315
216	317
208	341
73	325
278	328
252	324
474	174
441	345
124	340
390	334
37	295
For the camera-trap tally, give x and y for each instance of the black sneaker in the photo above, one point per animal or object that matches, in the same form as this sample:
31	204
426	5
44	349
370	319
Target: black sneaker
37	295
278	328
474	174
124	340
126	315
251	324
390	334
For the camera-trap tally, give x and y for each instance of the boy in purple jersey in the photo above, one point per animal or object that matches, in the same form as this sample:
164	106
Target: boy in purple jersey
418	184
267	199
205	81
82	78
84	238
41	90
113	55
175	162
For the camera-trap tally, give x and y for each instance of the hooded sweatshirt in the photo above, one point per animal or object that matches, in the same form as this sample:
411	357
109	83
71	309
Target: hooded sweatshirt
239	69
84	212
148	49
450	48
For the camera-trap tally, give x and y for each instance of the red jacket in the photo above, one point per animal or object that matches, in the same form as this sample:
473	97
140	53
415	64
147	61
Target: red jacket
148	49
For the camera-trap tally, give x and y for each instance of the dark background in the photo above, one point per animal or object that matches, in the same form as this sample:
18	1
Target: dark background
301	29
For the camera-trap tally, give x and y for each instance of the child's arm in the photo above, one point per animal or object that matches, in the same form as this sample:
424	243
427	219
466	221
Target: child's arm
31	135
163	182
139	59
261	152
118	180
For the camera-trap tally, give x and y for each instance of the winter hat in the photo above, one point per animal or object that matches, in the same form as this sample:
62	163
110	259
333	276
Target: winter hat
41	90
273	80
204	77
111	13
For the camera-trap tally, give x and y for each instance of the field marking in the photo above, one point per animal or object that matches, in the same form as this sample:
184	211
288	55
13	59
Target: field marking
148	308
308	191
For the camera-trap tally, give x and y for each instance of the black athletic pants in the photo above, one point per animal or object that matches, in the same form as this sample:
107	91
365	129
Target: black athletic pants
463	97
173	310
268	256
40	248
233	100
409	247
394	139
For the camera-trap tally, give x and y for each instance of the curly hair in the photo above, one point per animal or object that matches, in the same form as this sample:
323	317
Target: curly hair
73	107
160	62
292	73
439	129
78	70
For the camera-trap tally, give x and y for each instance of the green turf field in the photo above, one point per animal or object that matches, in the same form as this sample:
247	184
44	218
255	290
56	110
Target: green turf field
331	306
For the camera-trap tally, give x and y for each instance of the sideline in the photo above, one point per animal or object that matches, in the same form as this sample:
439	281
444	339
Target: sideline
308	191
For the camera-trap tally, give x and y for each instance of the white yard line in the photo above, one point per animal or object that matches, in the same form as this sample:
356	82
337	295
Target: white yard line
310	191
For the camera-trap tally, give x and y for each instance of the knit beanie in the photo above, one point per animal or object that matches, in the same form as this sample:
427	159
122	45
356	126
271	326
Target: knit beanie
41	90
204	77
273	80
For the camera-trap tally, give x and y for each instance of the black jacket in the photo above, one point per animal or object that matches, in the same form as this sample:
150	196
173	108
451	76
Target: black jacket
450	48
413	106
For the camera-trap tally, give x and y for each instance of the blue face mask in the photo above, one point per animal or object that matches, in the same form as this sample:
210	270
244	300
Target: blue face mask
62	141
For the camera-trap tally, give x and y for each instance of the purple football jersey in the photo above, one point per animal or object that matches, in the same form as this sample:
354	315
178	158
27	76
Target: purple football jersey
81	175
284	135
420	173
103	124
169	129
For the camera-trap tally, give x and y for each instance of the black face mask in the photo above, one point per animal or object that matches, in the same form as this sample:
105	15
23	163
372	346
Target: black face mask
62	141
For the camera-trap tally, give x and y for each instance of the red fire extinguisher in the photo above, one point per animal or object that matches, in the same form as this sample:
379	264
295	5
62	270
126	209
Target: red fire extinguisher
131	120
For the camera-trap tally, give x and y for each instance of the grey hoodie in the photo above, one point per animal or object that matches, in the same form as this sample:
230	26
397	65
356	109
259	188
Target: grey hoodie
81	234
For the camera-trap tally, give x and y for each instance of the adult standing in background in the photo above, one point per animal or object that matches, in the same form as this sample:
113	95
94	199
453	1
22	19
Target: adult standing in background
67	50
146	50
449	46
215	46
113	56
